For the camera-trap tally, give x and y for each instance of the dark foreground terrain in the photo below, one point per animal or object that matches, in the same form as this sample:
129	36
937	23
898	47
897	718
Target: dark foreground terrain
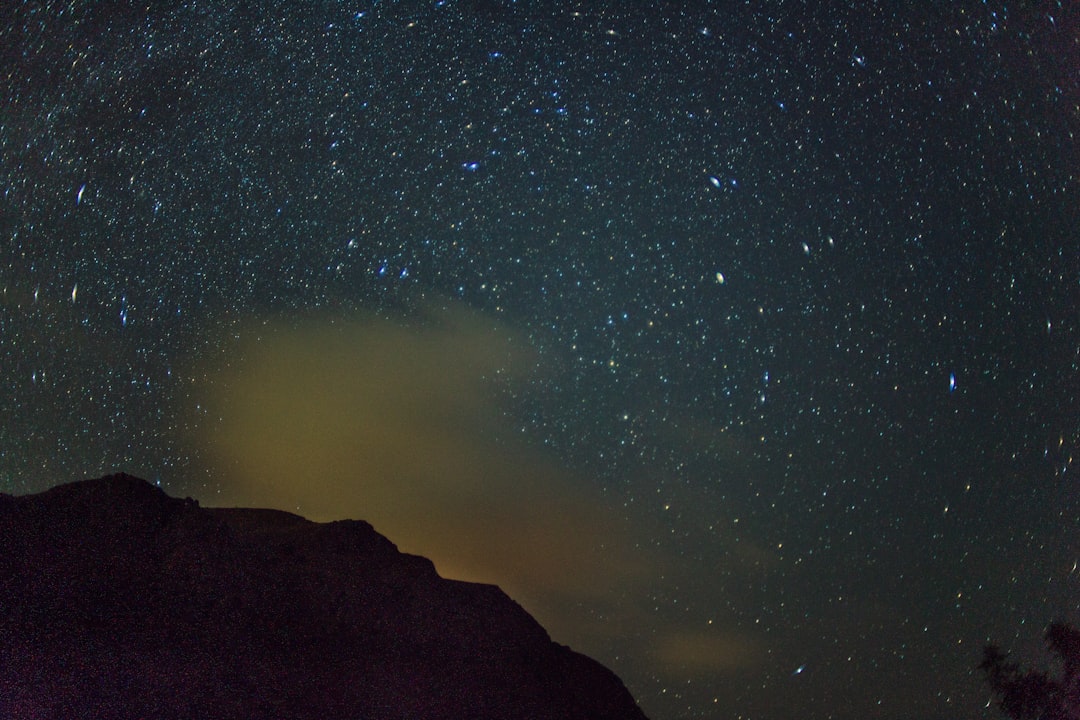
118	601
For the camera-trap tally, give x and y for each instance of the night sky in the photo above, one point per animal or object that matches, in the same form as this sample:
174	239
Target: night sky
738	341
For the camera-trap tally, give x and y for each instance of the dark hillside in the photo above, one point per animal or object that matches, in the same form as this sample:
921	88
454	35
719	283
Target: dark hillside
119	601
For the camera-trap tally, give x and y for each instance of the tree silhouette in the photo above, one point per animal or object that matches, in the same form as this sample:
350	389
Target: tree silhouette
1034	695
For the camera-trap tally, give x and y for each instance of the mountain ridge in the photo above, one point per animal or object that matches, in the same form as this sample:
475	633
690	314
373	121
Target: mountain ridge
120	601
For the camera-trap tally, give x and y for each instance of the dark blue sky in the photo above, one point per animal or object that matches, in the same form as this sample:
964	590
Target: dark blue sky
770	309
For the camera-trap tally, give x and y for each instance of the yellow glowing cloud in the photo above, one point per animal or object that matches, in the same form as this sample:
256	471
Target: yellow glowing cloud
400	423
707	653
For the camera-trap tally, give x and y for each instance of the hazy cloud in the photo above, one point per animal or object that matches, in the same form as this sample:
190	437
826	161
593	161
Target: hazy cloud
401	423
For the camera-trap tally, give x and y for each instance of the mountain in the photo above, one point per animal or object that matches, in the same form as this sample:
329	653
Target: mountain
118	601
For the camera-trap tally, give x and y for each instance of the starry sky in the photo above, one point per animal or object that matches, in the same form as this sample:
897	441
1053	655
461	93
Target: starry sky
738	341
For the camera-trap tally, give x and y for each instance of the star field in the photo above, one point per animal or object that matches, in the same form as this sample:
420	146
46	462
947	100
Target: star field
791	291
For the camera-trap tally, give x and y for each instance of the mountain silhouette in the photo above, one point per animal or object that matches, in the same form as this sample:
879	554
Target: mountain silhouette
118	601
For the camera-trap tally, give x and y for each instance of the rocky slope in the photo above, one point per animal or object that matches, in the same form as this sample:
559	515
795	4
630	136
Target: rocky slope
118	601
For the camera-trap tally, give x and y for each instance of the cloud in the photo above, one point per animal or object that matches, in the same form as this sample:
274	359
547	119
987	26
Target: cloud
709	653
401	422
